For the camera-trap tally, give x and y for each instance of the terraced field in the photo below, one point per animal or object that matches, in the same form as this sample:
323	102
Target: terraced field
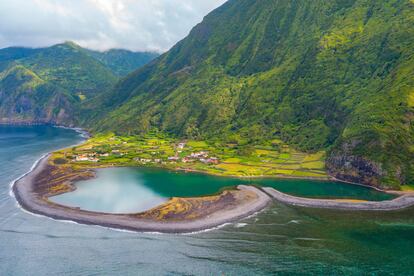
156	150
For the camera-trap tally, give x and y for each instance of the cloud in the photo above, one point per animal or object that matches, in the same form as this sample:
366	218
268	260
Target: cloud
141	25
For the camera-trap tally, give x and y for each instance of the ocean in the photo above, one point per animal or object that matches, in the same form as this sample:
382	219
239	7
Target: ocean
278	240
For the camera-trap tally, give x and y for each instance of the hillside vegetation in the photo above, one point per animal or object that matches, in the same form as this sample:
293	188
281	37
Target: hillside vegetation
26	98
48	85
122	62
332	75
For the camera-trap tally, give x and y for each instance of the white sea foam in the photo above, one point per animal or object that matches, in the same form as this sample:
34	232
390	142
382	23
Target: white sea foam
207	230
85	134
13	182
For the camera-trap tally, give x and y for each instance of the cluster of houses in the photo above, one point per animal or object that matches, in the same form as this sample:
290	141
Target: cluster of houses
86	157
90	157
201	156
147	160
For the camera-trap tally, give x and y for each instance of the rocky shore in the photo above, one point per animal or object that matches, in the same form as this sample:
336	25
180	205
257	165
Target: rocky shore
401	202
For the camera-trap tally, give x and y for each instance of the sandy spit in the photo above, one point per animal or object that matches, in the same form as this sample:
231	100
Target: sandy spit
26	196
402	202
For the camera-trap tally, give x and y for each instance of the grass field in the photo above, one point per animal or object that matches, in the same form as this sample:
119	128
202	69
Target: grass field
407	188
158	150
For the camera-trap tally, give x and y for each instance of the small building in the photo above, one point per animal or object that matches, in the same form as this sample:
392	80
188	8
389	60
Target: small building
173	158
201	154
187	160
213	160
84	157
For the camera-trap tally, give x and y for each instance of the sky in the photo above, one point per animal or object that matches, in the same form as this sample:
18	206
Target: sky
138	25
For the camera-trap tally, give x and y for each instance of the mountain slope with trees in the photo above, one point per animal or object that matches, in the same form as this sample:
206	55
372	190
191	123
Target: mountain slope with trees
321	75
122	62
49	85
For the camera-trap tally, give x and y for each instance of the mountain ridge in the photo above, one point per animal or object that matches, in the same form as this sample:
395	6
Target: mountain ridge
333	75
66	75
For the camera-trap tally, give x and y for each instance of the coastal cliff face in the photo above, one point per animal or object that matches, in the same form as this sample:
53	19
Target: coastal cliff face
355	169
364	162
320	75
27	99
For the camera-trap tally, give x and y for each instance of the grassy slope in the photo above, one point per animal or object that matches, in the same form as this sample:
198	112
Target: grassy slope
333	75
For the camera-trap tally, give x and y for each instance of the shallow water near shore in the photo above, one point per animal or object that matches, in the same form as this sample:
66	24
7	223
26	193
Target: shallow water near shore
281	239
129	190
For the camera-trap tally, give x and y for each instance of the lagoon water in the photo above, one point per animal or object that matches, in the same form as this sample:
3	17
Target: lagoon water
281	239
132	190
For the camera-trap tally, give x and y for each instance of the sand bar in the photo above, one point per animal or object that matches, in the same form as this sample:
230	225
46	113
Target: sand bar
228	207
402	202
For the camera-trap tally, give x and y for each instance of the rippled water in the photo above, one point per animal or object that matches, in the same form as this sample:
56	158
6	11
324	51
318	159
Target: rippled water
281	239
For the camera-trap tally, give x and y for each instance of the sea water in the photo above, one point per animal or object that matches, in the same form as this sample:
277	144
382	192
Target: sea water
281	239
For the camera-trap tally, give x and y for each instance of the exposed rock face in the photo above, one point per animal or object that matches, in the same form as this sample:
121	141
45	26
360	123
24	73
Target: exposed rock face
354	169
58	110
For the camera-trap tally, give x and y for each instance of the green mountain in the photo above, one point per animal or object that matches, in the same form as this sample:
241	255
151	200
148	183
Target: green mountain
26	98
122	62
335	75
48	85
68	66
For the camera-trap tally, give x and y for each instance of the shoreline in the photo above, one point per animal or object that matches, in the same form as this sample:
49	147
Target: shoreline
23	190
254	177
28	199
399	203
327	178
25	194
83	134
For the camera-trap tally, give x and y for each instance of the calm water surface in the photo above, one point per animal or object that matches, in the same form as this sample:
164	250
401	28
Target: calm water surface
129	190
282	239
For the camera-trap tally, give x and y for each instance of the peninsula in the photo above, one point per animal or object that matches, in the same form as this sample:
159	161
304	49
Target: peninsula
56	174
179	215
